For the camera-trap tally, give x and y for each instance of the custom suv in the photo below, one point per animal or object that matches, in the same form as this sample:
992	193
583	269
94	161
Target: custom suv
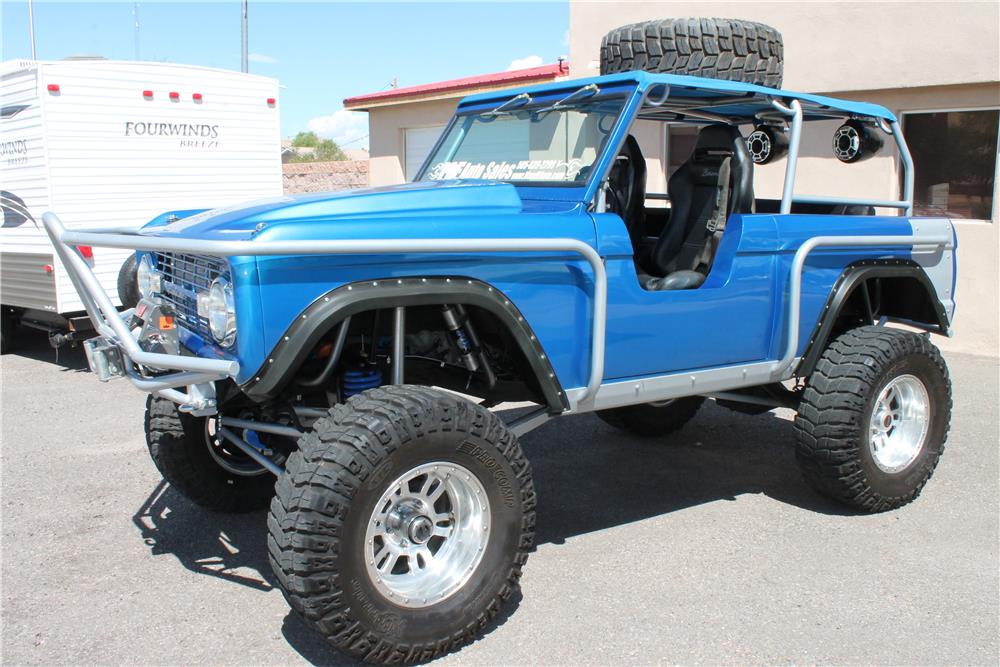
350	345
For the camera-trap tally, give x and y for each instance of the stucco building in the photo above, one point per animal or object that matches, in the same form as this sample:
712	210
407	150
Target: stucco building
404	123
935	64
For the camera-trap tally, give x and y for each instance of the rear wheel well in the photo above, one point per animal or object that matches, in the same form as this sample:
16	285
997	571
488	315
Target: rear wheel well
871	292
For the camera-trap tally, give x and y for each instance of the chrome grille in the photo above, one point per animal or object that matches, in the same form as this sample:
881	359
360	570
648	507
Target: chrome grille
183	276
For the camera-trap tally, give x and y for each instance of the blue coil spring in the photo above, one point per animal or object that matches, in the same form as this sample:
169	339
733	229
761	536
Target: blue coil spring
357	381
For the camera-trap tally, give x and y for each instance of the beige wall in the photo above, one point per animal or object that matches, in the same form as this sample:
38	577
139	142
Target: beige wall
833	45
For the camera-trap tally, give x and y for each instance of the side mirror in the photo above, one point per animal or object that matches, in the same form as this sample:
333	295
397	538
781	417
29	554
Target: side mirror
854	141
765	144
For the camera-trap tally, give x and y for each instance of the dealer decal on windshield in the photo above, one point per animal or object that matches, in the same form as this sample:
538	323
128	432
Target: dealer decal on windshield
523	170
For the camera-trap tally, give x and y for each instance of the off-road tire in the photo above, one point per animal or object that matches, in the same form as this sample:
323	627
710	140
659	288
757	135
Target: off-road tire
727	49
178	447
128	287
324	501
651	420
832	424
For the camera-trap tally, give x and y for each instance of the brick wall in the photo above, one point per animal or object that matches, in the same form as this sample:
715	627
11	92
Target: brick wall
324	176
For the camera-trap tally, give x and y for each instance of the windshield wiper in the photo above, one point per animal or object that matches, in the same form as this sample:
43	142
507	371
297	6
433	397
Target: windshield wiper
587	91
519	100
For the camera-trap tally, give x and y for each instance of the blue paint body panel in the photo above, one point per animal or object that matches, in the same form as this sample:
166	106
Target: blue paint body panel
736	316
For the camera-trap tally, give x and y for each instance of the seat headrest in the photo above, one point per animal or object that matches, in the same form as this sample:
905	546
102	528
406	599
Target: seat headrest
717	142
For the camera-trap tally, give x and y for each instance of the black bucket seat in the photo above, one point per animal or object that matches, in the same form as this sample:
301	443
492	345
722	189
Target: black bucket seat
716	180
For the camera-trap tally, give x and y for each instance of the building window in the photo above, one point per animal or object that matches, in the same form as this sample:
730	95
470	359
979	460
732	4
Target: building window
955	160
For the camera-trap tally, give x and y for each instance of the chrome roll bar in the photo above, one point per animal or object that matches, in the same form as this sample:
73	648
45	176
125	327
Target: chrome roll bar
792	325
703	381
794	111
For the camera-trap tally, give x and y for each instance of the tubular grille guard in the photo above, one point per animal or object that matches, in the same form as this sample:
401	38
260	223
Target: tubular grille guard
183	276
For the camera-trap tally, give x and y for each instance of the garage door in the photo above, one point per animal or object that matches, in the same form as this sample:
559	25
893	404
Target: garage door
419	142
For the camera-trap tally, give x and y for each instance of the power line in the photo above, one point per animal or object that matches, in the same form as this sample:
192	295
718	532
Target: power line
352	141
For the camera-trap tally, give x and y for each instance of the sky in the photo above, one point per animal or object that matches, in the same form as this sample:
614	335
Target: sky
320	52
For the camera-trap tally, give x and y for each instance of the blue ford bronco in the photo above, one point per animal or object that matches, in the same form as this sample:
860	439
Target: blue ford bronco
350	345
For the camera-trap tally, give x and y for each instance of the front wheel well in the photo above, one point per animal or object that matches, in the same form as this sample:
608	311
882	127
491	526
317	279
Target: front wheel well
492	353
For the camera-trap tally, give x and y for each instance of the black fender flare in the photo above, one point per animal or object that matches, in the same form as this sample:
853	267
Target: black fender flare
855	275
329	309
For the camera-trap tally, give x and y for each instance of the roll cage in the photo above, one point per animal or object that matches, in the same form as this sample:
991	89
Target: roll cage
672	98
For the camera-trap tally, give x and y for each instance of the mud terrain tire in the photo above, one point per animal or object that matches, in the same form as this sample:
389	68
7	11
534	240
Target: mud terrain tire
727	49
178	447
653	420
347	472
128	288
845	424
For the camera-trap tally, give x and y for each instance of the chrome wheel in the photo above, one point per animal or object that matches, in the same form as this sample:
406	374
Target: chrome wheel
899	423
427	534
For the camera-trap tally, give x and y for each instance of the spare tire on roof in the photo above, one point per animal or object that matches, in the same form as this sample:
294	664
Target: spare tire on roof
727	49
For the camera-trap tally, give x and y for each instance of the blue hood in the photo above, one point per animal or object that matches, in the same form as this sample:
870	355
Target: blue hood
438	199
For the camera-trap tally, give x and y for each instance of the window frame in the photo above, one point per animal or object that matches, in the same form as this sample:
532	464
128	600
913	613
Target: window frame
996	164
473	110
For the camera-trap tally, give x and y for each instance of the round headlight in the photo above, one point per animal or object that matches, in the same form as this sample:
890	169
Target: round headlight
147	278
222	312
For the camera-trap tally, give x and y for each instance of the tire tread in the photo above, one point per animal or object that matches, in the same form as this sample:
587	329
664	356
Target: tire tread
717	48
172	438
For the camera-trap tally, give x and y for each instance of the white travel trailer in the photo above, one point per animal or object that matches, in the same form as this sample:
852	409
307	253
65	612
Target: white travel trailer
114	144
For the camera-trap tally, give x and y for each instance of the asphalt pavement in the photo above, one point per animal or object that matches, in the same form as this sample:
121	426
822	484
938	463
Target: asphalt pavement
704	548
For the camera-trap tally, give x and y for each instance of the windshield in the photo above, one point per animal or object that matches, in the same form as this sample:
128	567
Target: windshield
523	142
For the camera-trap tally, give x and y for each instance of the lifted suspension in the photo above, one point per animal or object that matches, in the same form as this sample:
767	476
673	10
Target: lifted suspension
470	351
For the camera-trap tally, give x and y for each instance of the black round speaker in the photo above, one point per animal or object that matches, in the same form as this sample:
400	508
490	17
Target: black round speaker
765	144
854	141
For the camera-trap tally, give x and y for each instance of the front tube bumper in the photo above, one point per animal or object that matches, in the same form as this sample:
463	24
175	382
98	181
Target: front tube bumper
112	325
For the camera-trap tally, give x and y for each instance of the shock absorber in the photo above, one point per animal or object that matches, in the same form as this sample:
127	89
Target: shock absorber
457	322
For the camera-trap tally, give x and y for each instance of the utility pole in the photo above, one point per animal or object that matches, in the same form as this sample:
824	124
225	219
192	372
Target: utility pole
31	26
135	17
245	63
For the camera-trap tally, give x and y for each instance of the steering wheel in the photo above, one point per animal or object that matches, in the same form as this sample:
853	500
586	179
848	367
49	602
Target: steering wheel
621	184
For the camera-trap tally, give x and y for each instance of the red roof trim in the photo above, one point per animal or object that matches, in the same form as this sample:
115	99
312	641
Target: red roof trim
496	79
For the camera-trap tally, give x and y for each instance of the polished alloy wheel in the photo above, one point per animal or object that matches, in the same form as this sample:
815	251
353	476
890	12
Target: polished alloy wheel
427	534
899	423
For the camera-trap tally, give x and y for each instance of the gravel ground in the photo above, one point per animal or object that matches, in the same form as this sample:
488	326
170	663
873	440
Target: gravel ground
705	549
